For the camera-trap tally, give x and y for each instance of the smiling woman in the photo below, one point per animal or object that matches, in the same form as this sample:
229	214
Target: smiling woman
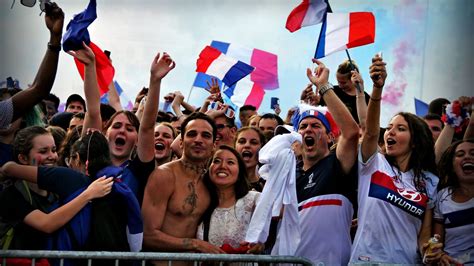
226	221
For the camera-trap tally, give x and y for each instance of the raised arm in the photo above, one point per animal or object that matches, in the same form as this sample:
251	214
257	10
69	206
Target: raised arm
114	98
50	222
378	74
360	99
446	136
44	80
346	150
160	67
91	88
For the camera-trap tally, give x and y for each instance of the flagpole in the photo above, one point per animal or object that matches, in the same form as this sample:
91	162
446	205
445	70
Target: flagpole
353	68
189	95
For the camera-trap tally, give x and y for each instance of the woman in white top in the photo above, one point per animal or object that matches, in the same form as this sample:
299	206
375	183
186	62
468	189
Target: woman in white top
454	211
397	190
226	221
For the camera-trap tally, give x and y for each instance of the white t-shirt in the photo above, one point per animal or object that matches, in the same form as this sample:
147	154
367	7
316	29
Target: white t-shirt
229	225
458	221
390	213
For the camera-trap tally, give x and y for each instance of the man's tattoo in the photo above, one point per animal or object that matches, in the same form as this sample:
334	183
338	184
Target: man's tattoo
191	199
198	169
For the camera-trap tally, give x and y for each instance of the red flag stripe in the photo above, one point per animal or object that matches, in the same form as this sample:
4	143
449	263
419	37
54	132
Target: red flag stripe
361	29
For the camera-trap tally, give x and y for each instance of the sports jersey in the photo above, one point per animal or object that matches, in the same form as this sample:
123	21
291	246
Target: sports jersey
390	213
458	221
325	211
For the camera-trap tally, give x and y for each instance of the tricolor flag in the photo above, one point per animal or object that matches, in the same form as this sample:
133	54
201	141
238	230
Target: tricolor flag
341	31
309	12
245	92
265	63
421	108
124	99
212	62
104	69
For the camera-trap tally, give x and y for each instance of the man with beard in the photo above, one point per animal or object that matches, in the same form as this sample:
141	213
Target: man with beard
175	196
326	181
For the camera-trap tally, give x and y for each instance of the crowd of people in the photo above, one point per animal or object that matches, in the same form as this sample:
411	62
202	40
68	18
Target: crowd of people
327	182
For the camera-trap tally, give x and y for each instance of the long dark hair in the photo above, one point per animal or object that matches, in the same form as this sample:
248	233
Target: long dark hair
241	186
447	176
93	150
422	157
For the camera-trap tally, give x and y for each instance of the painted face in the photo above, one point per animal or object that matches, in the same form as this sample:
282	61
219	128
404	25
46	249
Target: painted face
248	145
75	107
163	140
225	133
224	169
463	162
43	152
435	127
344	82
397	137
198	142
122	137
315	137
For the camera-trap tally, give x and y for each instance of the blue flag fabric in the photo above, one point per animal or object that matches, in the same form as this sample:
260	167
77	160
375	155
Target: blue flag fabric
76	30
421	108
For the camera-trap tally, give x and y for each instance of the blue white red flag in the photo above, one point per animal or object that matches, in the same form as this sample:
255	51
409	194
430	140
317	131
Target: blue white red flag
265	63
212	62
309	12
341	31
245	92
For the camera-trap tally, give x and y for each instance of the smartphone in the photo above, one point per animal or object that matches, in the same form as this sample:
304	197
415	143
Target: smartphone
274	101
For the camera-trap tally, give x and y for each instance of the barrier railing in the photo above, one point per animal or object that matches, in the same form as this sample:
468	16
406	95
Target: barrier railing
148	256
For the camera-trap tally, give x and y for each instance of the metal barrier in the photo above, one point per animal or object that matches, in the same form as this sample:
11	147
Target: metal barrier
149	256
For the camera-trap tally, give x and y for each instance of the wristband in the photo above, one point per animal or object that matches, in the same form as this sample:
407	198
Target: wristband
324	88
54	48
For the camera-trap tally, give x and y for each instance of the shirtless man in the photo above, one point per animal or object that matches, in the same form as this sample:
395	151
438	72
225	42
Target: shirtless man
175	196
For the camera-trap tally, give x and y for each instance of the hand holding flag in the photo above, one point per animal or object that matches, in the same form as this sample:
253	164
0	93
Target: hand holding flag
85	55
321	74
378	72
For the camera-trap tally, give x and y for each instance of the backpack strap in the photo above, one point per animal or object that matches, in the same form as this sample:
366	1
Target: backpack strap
8	238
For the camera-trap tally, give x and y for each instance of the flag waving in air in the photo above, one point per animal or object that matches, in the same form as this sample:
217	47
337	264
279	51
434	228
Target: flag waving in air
265	63
341	31
212	62
309	12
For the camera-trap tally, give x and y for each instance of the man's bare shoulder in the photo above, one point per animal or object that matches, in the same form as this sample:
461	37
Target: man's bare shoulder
164	174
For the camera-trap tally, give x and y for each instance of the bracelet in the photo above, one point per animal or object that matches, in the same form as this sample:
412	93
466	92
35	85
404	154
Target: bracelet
54	48
375	100
456	116
324	88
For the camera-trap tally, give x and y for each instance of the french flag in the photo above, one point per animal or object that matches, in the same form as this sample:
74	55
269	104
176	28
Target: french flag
124	99
341	31
245	92
265	63
309	12
212	62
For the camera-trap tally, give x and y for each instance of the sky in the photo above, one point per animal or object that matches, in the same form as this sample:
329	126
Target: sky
426	44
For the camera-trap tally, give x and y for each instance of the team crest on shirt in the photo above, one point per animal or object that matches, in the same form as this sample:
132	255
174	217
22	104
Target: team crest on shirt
383	188
310	181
